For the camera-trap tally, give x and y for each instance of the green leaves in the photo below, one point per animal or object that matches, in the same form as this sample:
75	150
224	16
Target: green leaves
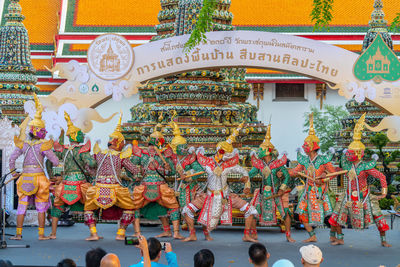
326	123
203	25
321	14
379	140
395	26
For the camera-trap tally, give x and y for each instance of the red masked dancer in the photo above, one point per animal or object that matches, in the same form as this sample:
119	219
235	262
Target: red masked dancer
357	202
314	203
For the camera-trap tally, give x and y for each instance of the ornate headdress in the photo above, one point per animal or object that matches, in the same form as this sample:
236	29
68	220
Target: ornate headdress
227	145
312	140
357	146
117	132
157	133
37	122
72	129
178	139
267	145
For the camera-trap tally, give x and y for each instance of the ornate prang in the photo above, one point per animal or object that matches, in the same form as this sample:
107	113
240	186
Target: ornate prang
17	74
209	104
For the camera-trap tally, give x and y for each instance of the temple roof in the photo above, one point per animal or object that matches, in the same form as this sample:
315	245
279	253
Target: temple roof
62	30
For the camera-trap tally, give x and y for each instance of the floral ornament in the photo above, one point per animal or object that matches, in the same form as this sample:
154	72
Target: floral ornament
118	90
78	71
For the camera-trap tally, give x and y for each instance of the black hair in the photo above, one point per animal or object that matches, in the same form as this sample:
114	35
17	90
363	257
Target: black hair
66	263
94	256
5	263
154	247
258	253
204	258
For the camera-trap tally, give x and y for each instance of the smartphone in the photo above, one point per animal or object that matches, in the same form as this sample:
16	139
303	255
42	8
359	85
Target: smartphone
131	241
163	245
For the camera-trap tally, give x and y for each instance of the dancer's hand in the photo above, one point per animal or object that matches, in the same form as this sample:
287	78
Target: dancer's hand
246	191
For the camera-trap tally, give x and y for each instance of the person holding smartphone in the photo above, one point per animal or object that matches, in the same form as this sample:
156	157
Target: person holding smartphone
153	253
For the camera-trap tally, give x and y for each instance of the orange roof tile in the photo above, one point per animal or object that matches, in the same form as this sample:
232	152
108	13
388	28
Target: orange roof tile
41	20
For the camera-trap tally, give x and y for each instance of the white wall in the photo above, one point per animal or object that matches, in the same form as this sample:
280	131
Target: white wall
287	117
101	131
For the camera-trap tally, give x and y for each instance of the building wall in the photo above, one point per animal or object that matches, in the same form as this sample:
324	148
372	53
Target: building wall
287	116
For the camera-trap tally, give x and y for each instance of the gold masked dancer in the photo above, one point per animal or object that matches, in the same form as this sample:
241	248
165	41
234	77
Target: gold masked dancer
76	158
107	190
33	185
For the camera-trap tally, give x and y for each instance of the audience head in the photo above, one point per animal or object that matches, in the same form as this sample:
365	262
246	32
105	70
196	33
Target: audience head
204	258
5	263
283	263
110	260
154	249
311	255
66	263
258	255
94	256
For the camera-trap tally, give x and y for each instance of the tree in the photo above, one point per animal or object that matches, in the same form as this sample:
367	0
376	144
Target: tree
380	140
326	123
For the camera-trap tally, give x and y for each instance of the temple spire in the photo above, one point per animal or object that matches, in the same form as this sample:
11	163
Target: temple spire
17	74
377	24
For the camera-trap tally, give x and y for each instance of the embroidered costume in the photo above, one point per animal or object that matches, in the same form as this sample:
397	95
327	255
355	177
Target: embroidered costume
273	195
314	203
216	205
357	203
33	185
157	163
76	158
108	190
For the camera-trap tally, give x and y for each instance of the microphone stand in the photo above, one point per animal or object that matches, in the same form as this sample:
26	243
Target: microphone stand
3	242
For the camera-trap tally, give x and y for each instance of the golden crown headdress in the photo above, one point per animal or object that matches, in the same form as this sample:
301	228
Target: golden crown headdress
37	120
267	142
117	132
178	139
311	138
227	145
72	130
157	133
357	146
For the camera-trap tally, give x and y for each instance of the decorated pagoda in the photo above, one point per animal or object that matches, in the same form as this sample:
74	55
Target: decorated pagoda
207	104
375	114
17	74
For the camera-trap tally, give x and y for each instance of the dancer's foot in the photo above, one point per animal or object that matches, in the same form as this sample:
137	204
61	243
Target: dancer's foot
332	239
52	236
208	238
338	242
310	239
93	237
247	238
43	237
164	234
16	237
120	237
177	235
190	238
290	239
386	244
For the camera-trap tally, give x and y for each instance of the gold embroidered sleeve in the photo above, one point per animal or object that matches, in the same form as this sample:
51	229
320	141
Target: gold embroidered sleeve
126	153
18	142
47	145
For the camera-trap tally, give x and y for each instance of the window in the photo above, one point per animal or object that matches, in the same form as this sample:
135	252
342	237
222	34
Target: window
289	92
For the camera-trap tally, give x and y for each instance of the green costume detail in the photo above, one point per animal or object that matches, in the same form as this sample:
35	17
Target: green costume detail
317	162
271	185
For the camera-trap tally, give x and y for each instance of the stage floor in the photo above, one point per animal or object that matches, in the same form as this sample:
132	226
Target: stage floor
362	248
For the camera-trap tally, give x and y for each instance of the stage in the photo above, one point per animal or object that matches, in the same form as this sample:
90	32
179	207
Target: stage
362	248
